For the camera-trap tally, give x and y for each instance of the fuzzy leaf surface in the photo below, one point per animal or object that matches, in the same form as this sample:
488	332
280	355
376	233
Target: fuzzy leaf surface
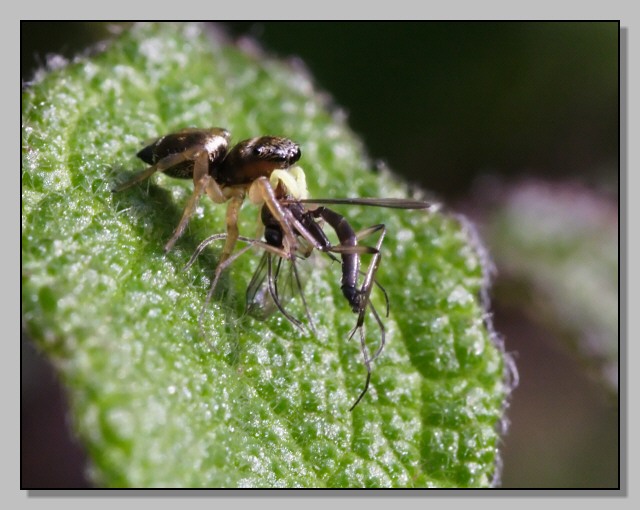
255	403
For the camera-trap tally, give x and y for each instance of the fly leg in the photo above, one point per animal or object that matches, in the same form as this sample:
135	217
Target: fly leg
272	282
363	302
358	298
227	259
365	290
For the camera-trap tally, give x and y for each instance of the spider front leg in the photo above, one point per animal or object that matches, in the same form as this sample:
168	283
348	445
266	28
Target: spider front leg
261	191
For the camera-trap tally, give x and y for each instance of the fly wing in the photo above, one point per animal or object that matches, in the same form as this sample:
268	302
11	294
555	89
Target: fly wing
279	274
391	203
259	303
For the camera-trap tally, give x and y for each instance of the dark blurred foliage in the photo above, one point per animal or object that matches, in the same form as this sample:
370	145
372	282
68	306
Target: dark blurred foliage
445	104
50	457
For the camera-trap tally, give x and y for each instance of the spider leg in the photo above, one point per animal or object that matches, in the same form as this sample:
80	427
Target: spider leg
200	180
139	177
233	208
226	259
161	165
261	191
221	267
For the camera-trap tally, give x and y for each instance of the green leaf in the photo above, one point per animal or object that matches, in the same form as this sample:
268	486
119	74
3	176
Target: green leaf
254	404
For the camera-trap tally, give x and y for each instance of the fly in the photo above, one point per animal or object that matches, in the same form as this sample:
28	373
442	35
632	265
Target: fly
308	225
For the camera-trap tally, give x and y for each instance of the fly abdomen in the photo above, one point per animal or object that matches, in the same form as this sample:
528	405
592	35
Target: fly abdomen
350	261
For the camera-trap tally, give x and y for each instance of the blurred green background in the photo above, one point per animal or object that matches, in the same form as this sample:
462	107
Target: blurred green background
475	113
